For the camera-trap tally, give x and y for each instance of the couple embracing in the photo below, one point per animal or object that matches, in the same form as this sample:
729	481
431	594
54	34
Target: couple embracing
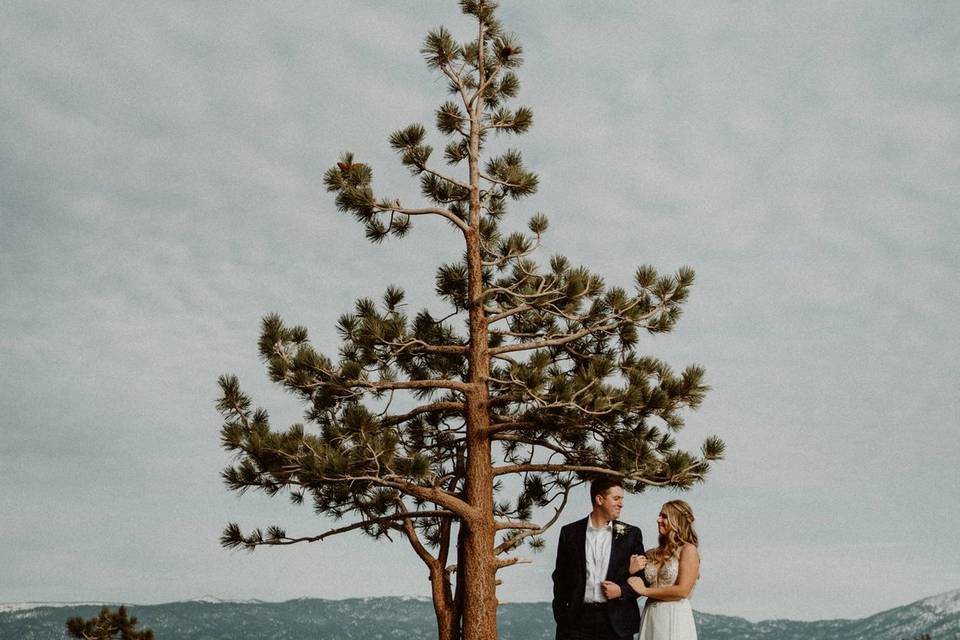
602	569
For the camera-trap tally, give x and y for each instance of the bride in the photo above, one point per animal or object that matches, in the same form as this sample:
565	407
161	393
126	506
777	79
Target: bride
671	570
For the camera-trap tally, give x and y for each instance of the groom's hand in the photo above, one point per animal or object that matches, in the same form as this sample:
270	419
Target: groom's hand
611	590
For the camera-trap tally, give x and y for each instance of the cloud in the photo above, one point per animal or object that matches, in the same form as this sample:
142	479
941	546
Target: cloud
161	169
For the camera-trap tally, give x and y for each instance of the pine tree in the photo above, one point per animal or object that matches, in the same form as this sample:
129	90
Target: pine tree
466	440
107	626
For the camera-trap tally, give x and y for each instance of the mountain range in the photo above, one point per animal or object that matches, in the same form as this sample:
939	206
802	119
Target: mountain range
412	619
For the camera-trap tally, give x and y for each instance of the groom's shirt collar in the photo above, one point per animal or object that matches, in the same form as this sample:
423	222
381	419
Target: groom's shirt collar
608	526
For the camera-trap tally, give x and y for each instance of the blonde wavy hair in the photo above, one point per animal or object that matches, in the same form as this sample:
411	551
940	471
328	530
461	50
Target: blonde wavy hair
680	531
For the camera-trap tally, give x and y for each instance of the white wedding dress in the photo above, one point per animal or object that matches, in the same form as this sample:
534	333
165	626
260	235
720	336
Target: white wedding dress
666	619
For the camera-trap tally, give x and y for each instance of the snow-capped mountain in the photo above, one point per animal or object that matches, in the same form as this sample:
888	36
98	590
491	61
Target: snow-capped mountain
412	618
24	606
938	616
215	600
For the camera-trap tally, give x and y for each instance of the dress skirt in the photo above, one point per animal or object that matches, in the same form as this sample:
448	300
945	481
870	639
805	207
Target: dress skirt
667	620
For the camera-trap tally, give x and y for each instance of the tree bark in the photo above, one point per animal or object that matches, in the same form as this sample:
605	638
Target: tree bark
477	565
448	620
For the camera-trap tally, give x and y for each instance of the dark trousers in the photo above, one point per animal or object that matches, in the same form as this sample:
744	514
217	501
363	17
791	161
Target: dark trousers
590	623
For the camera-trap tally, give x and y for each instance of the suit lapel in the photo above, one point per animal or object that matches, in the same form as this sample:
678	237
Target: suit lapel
580	539
616	545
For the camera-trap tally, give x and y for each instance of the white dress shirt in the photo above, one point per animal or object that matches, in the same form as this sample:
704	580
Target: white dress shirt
597	553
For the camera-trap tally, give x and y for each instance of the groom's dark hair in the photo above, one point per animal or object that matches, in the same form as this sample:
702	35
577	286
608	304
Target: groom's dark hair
601	485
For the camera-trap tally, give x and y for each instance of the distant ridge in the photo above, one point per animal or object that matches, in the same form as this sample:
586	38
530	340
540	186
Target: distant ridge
23	606
411	618
215	600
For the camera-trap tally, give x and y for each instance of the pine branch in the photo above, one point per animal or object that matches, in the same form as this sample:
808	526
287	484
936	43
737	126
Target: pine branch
437	174
513	541
503	183
503	315
500	525
509	562
608	326
595	470
498	427
381	385
554	342
410	531
457	79
485	82
542	294
252	542
433	407
431	494
496	434
420	346
453	385
512	256
384	207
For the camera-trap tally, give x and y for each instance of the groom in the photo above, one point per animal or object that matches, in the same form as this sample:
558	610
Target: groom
591	597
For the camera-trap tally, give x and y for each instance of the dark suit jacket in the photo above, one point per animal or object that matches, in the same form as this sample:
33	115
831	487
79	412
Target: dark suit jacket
570	577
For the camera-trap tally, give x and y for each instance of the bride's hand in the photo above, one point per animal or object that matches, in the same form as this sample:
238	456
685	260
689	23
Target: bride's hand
637	585
637	563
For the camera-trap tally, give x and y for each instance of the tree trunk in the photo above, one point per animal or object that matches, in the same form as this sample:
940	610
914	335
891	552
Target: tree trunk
476	565
448	619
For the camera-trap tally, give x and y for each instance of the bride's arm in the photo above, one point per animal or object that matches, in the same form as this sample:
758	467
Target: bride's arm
686	577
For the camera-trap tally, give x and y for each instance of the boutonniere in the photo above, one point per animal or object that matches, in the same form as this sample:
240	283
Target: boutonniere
619	529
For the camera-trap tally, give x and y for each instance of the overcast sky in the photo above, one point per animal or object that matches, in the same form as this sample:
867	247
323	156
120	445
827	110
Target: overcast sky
160	191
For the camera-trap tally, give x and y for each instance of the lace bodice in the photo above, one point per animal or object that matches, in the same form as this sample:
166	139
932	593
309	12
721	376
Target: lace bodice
666	619
664	575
